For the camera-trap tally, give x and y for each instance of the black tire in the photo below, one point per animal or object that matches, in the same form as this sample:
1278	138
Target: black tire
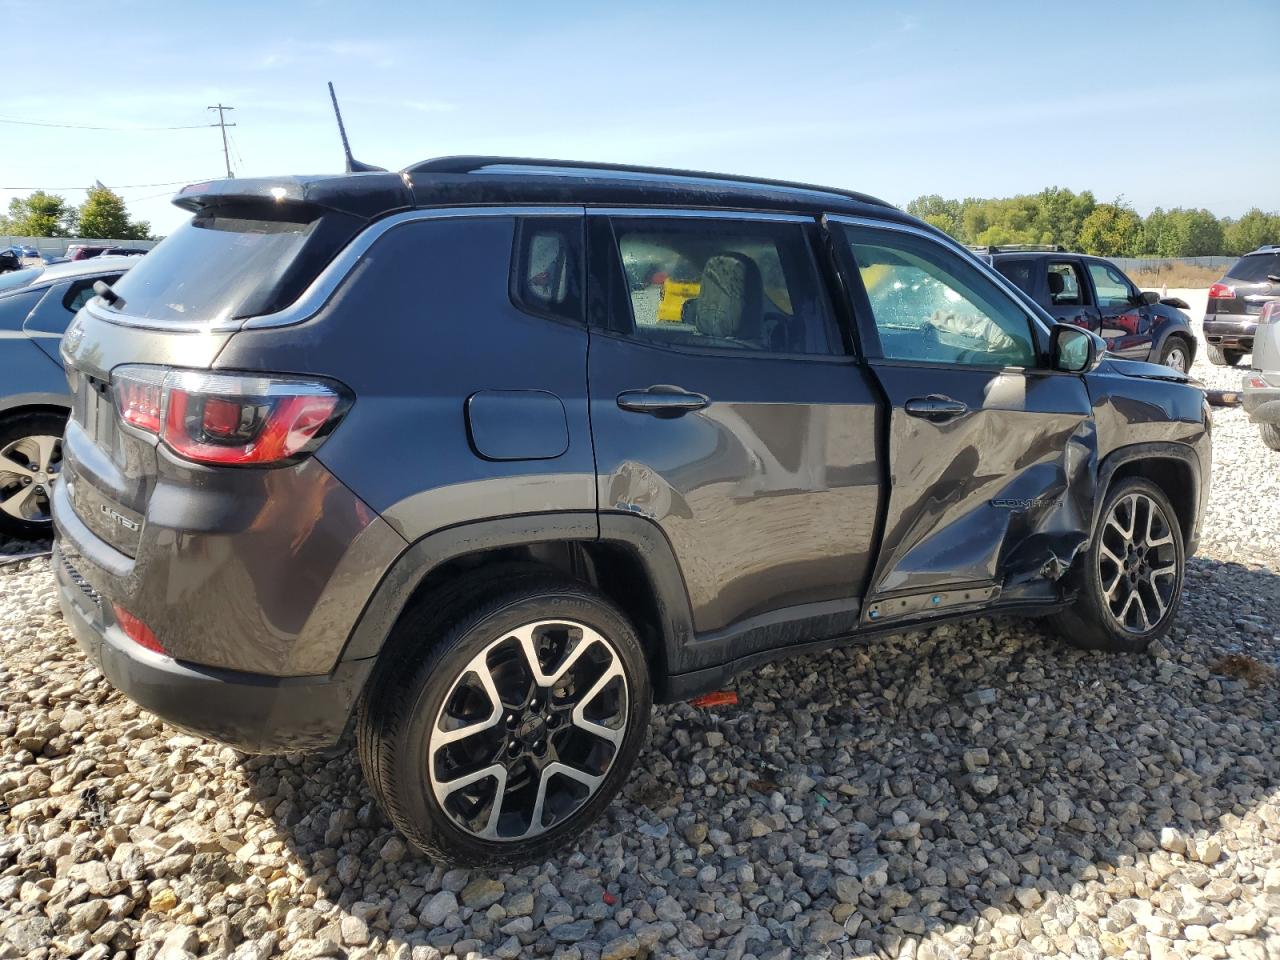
1090	623
16	433
1222	358
1174	344
1270	435
421	673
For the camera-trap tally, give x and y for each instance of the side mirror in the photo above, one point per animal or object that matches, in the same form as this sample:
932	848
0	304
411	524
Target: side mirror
1148	297
1075	350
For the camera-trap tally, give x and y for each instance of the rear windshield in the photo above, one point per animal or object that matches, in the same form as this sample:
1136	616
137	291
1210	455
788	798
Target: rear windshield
19	278
1254	269
214	267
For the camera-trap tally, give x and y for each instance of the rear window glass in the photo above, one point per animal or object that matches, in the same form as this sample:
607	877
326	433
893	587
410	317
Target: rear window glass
14	308
1020	273
213	268
19	278
1254	269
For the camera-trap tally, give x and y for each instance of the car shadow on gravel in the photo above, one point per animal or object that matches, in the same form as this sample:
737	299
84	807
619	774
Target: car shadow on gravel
978	779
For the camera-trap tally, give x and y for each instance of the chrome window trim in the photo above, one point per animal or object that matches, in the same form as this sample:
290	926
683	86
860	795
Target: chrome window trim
988	269
708	213
326	283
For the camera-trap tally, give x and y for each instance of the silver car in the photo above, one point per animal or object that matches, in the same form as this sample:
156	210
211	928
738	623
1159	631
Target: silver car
1262	385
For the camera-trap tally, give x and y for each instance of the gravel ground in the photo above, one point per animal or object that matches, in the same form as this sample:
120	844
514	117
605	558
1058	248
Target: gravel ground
975	790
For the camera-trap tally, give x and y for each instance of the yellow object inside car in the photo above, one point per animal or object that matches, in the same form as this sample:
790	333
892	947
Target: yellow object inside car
673	296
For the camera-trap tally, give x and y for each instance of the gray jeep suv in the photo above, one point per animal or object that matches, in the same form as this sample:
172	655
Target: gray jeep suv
488	455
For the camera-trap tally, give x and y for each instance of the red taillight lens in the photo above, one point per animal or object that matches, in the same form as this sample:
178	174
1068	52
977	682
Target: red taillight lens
137	631
1270	313
1221	291
139	394
237	420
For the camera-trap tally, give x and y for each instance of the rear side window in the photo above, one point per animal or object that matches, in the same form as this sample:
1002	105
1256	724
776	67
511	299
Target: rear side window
1256	268
546	267
723	284
1021	273
1066	288
215	267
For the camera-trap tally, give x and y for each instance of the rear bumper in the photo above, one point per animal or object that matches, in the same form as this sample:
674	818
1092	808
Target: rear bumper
1230	331
251	712
1261	402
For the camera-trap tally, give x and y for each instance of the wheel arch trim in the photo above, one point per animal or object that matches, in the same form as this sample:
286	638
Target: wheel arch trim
1152	450
419	559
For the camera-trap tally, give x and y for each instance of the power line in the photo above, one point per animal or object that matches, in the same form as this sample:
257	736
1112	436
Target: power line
123	186
226	154
86	126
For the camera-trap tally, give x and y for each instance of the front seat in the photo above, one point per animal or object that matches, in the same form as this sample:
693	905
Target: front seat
1057	284
731	301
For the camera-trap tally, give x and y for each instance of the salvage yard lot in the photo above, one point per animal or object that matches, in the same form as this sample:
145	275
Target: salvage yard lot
974	790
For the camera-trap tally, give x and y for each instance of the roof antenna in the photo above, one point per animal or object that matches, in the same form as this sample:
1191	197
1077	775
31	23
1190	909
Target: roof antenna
353	165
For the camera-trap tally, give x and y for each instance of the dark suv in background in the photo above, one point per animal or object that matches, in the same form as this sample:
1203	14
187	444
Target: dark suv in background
1094	293
427	447
1237	300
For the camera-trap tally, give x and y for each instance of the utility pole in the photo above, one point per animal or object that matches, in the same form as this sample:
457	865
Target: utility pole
226	154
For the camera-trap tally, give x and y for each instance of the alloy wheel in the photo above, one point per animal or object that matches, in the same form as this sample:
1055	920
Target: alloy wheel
529	730
1137	563
28	469
1177	359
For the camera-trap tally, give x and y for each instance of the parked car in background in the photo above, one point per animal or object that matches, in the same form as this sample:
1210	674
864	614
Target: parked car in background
36	305
1095	294
1262	386
82	251
1236	301
496	542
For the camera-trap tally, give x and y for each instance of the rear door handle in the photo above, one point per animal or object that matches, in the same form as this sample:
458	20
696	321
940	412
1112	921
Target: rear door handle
934	408
662	401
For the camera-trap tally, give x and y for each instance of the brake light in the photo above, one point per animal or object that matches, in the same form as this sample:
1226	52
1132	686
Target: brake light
137	631
230	419
1270	313
1221	291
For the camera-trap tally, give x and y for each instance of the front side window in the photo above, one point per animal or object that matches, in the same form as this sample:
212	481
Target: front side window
929	305
1065	288
723	284
1110	285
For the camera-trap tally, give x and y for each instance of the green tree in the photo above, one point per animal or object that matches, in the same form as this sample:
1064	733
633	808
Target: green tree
41	215
943	214
1251	231
1112	230
103	215
1196	233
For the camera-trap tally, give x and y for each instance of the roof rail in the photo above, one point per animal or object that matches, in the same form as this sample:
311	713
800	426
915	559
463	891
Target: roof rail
477	164
1018	248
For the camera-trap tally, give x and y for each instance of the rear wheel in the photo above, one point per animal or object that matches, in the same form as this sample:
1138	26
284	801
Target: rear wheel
1270	435
503	737
1222	358
30	460
1130	580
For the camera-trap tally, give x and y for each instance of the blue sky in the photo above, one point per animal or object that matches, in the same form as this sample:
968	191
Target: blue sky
895	99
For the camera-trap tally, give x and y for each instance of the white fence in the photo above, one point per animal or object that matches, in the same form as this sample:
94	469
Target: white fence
57	246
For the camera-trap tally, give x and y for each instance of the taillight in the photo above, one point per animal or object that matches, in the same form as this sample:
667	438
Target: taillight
137	631
1221	291
1270	313
234	419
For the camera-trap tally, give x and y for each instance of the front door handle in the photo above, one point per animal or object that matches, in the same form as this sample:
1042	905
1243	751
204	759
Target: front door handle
934	408
662	401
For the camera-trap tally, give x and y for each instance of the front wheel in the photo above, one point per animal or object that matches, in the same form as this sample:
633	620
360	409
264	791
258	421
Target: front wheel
505	736
1130	580
1176	355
